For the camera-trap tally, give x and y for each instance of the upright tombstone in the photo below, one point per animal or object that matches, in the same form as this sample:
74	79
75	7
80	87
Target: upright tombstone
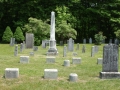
70	44
29	40
64	51
21	47
116	41
83	49
16	50
77	48
92	51
84	41
110	62
52	42
43	43
110	41
12	41
90	40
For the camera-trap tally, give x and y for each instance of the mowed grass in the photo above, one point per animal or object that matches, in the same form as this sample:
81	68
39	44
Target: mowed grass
31	75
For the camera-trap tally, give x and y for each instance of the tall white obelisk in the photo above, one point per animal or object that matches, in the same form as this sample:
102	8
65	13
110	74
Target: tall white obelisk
52	42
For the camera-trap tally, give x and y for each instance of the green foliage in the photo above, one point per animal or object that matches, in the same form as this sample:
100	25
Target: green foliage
7	35
117	33
99	38
39	28
18	35
65	31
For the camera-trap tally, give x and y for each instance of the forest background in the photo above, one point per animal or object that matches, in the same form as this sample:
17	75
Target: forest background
85	17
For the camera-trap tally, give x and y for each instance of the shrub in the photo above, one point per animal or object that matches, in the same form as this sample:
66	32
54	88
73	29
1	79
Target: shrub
117	33
7	35
99	38
18	35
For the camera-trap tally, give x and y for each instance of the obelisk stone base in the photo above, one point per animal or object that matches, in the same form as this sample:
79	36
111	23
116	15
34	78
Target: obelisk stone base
109	75
52	49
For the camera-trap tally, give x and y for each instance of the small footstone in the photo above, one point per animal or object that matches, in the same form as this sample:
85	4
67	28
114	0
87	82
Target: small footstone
67	63
11	73
76	60
73	77
50	60
99	61
50	73
24	59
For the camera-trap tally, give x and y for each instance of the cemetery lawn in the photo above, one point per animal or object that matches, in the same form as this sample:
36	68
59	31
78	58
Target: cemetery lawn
31	74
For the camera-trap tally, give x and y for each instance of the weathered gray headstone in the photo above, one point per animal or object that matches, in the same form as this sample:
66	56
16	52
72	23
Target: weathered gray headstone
35	48
83	49
116	41
31	53
92	51
50	73
64	51
110	62
11	73
50	60
100	61
84	41
96	49
24	59
12	41
67	63
21	47
76	60
90	40
16	50
73	77
71	44
44	43
29	40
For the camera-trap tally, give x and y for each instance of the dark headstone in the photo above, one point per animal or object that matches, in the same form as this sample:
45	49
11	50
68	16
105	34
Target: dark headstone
110	62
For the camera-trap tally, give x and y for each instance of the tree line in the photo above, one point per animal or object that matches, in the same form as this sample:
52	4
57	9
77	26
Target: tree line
78	19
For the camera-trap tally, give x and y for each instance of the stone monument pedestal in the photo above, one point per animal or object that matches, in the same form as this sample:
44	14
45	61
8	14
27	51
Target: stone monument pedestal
52	48
109	75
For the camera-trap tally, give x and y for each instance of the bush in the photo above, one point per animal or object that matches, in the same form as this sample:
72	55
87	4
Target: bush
99	38
117	33
7	35
18	35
